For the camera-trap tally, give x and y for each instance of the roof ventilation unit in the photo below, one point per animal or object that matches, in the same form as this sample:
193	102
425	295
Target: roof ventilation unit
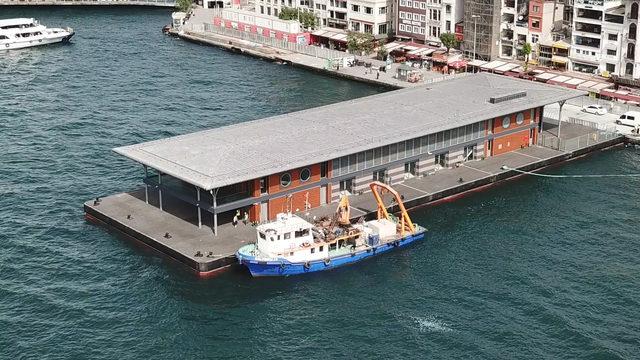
506	97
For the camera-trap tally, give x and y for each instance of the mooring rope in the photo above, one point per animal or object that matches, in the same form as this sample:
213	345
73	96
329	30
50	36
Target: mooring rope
504	167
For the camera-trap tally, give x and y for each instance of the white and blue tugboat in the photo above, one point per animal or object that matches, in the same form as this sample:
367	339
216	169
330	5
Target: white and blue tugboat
291	245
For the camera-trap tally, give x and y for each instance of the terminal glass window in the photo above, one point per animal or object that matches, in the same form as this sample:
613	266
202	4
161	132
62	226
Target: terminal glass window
506	122
305	174
285	179
380	175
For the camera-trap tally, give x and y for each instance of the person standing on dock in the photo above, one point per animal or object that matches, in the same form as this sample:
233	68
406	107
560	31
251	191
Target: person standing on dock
245	218
235	218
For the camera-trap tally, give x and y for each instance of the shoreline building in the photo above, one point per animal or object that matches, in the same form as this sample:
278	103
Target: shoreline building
338	16
423	21
306	159
597	36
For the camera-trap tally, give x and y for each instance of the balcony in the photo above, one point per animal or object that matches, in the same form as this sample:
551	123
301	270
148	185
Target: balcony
508	18
589	14
587	41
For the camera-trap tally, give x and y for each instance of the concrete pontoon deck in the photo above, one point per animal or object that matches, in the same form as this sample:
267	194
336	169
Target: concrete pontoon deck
204	252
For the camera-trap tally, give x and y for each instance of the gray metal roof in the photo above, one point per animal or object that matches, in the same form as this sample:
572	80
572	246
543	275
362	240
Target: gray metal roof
252	149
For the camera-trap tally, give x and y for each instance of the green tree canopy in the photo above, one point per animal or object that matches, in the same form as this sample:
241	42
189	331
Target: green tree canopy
307	19
184	5
448	40
362	43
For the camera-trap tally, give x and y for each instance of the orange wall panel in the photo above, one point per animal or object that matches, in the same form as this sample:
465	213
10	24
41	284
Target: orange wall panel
296	202
511	142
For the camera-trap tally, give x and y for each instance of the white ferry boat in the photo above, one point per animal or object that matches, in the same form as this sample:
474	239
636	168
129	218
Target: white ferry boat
23	33
291	245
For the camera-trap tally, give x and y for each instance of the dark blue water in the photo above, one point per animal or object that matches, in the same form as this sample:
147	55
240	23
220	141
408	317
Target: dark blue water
533	268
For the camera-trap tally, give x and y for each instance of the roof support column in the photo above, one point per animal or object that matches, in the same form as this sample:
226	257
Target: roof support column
146	187
199	210
561	102
160	189
214	194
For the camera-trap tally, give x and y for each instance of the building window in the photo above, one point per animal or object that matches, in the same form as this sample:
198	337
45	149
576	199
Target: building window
403	2
423	5
611	68
313	250
382	29
441	159
469	152
368	10
535	9
285	180
535	24
382	10
611	52
534	38
613	37
355	8
423	18
347	185
416	17
380	175
519	119
506	122
409	3
321	249
411	168
415	29
368	28
305	174
323	169
264	185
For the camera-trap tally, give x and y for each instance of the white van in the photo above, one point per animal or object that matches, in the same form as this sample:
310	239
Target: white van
630	118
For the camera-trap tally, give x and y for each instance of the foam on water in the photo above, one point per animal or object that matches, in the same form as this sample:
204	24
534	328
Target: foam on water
430	323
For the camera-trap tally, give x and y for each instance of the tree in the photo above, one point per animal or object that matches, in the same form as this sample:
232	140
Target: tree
184	5
448	40
526	50
382	53
362	43
307	19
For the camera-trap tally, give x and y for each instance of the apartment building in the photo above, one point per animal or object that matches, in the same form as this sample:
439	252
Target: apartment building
597	34
423	21
629	65
366	16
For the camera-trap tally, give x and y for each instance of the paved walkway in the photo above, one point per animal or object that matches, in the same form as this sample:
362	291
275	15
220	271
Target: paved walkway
358	73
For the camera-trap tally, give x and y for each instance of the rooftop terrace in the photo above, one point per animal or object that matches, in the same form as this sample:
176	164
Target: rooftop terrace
249	150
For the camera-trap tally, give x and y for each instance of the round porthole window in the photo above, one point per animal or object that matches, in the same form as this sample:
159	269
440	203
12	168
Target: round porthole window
506	122
285	179
305	175
520	118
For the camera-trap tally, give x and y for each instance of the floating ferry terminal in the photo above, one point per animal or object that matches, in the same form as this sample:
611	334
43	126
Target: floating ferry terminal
430	142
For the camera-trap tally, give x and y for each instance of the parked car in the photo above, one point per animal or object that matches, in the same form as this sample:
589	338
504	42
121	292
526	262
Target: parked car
594	109
630	118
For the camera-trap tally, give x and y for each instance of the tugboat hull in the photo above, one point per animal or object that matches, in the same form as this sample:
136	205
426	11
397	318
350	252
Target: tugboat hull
286	268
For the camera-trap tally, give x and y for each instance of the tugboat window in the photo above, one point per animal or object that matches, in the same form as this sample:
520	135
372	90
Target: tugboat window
287	236
506	122
520	118
285	180
305	174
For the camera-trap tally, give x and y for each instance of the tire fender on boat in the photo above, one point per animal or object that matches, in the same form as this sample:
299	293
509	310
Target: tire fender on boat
282	266
396	243
307	266
327	262
353	251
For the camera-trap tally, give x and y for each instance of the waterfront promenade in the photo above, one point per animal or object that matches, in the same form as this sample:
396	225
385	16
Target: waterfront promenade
199	29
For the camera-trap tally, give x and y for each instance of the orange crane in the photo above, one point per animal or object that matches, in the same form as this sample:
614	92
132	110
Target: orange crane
405	223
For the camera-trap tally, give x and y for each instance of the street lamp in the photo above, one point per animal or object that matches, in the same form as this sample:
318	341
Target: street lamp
475	33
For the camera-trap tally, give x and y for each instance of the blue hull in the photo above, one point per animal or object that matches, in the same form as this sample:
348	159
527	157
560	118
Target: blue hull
286	268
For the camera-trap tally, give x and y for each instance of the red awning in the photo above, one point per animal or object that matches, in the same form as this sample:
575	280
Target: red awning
458	64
